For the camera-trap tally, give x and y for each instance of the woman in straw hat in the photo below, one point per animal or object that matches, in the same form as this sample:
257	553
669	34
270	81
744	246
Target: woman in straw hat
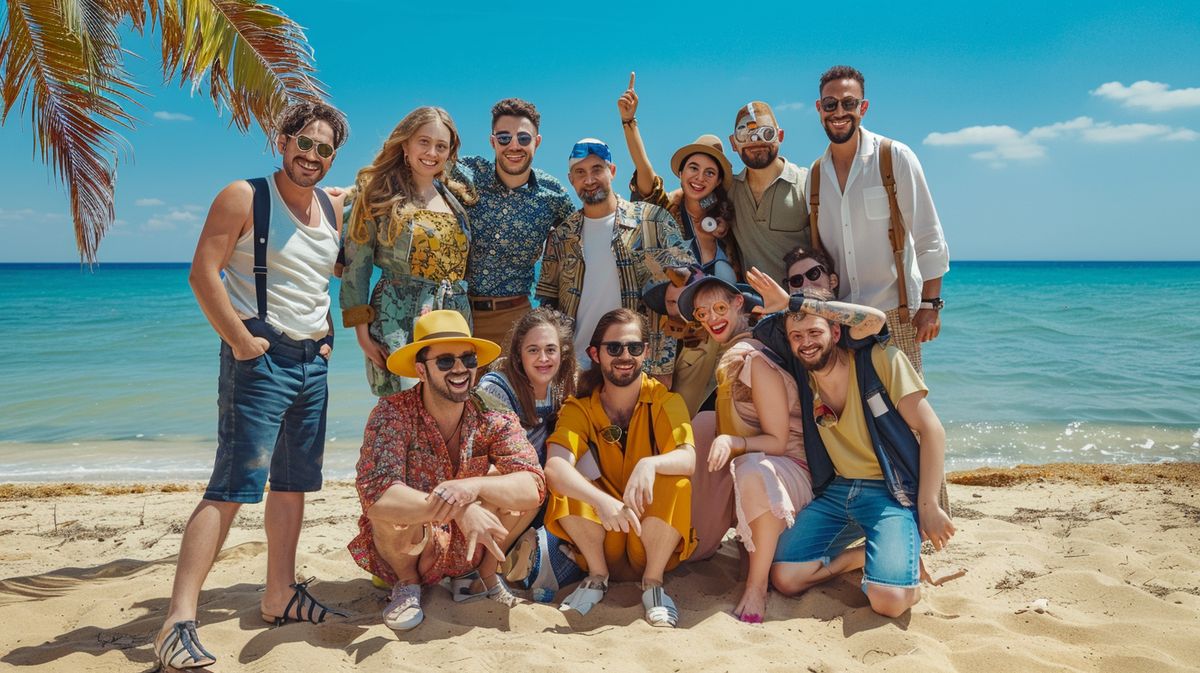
701	205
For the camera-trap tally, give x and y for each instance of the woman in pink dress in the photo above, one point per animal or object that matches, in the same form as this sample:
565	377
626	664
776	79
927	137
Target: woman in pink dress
751	448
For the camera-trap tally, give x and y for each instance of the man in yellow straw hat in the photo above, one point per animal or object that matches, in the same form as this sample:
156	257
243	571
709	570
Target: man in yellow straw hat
431	509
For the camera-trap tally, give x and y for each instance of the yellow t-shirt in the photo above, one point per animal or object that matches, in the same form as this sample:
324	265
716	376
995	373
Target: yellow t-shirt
657	408
847	439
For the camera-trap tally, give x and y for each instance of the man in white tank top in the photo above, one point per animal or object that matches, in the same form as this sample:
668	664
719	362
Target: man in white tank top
272	395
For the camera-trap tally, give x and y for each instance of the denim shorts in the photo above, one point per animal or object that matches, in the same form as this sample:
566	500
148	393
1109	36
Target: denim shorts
848	510
271	420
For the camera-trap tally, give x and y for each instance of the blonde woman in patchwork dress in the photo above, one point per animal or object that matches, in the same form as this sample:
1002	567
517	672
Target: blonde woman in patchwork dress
407	218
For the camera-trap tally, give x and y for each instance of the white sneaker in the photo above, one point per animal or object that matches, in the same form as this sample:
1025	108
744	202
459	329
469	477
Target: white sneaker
403	611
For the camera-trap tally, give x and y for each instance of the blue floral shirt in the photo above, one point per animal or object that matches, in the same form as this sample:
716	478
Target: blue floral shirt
509	227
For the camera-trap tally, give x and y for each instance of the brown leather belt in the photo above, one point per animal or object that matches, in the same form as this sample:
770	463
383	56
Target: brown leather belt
486	304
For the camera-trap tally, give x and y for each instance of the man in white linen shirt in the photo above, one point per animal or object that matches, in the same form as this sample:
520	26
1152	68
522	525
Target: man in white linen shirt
854	218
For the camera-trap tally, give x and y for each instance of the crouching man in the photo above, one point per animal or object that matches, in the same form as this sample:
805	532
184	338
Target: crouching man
618	466
875	449
432	505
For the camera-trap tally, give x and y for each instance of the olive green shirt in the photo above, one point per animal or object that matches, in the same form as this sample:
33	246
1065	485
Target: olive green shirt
766	231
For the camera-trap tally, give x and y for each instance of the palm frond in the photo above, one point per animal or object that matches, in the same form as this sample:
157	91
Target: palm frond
46	66
254	57
95	23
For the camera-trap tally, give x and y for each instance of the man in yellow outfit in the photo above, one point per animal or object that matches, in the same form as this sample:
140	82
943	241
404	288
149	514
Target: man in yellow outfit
618	469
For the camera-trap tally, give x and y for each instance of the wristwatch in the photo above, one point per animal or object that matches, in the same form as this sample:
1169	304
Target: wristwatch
934	303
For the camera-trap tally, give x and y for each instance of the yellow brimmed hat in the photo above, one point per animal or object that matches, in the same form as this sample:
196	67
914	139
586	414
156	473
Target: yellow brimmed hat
708	145
438	327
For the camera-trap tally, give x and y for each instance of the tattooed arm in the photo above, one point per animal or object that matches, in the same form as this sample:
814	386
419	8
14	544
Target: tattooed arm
863	321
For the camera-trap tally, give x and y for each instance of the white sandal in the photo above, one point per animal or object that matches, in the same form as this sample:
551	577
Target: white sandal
660	609
585	596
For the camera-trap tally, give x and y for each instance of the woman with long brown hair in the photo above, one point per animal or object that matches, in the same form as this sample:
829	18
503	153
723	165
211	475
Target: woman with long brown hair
407	218
533	380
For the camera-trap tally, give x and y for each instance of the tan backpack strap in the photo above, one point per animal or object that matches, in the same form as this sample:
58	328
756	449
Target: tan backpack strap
814	204
897	229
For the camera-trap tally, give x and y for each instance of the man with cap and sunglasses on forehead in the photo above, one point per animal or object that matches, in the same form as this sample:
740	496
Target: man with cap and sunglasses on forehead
856	219
518	206
769	206
603	254
433	507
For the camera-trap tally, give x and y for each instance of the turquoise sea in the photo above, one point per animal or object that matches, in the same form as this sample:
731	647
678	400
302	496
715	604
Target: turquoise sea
110	374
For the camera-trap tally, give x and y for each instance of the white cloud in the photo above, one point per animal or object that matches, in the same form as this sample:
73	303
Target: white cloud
1005	143
31	215
146	203
1147	95
783	107
172	116
1125	133
172	218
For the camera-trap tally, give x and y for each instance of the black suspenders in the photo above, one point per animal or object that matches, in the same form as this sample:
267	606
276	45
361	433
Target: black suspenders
262	228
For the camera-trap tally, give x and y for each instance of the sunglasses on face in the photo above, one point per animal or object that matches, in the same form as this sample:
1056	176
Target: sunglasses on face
446	362
305	144
757	134
849	103
797	280
701	313
615	348
504	138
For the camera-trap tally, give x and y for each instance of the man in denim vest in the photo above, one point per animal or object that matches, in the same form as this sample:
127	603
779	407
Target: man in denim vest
875	448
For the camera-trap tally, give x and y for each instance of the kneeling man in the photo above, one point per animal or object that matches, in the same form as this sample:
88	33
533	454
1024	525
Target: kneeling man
618	466
433	507
875	449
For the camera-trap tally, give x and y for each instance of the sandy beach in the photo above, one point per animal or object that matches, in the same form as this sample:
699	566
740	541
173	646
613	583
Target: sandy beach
1054	568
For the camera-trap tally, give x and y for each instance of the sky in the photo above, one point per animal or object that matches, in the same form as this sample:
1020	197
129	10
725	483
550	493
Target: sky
1069	132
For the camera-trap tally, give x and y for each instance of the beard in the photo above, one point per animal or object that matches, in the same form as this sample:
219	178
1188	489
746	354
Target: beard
621	380
820	361
439	386
845	136
505	167
759	157
597	195
290	170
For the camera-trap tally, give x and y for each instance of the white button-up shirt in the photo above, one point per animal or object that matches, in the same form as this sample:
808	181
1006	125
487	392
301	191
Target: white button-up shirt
855	224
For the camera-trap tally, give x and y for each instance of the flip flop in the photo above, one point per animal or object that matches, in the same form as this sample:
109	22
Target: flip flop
585	596
303	602
660	609
181	648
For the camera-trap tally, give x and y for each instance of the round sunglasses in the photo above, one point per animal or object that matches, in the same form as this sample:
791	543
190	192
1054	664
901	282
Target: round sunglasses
701	313
305	144
758	134
504	138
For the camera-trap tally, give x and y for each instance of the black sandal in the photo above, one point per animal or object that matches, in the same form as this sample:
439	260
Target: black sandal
181	648
300	599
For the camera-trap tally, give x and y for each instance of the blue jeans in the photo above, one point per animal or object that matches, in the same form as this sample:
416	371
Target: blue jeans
271	418
845	512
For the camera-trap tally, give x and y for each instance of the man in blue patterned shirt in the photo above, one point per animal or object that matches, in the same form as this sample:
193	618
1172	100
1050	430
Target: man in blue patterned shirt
518	206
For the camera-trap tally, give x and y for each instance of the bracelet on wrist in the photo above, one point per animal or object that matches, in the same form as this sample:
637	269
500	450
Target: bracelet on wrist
629	122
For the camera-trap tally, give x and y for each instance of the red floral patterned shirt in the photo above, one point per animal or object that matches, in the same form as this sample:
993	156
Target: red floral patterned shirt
402	445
